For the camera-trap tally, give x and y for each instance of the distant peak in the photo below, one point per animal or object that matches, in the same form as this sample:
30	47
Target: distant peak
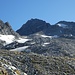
32	26
36	20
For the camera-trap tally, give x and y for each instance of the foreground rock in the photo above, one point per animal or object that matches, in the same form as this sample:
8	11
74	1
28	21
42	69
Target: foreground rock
18	63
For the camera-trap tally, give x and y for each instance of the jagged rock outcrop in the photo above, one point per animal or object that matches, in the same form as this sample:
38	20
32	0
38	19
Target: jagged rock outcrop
7	34
6	29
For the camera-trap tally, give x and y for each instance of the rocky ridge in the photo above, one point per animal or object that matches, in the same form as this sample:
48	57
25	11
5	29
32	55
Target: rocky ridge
6	29
62	28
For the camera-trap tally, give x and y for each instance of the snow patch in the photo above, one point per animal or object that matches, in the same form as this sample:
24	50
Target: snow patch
62	25
11	38
46	43
20	48
46	36
7	38
21	40
55	36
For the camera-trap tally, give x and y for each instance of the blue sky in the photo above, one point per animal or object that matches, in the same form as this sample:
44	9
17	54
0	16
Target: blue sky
17	12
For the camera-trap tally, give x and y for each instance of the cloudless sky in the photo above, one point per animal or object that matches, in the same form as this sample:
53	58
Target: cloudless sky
17	12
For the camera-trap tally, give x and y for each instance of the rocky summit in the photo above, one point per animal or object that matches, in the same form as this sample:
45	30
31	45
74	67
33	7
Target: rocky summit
33	26
37	48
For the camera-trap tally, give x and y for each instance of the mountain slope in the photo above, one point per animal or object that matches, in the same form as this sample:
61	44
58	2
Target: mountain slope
42	38
52	40
20	63
33	26
7	34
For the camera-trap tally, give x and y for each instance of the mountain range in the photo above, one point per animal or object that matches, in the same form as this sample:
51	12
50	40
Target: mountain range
40	37
35	25
40	45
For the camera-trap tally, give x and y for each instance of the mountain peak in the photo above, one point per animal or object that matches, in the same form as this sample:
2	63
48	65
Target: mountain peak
33	26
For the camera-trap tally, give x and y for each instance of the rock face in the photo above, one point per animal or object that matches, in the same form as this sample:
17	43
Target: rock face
5	29
68	28
33	26
7	34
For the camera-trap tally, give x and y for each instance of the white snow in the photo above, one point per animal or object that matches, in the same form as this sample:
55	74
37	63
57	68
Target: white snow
7	38
11	38
55	36
62	25
46	43
20	48
22	40
46	36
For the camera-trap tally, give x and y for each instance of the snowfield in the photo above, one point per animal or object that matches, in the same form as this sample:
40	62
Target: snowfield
7	38
11	38
20	48
21	40
46	36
